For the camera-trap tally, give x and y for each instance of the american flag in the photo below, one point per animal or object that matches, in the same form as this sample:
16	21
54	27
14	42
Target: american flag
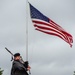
46	25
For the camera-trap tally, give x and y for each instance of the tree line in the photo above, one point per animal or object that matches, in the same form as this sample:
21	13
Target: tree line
1	71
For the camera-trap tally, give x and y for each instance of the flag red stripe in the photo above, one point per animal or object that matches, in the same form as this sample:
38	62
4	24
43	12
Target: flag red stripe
59	33
46	24
51	25
51	33
45	28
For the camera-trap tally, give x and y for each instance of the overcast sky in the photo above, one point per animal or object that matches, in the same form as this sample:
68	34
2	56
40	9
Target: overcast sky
47	54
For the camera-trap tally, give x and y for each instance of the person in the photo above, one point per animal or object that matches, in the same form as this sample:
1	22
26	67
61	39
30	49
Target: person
19	67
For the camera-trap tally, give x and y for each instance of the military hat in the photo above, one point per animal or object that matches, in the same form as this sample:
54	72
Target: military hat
16	54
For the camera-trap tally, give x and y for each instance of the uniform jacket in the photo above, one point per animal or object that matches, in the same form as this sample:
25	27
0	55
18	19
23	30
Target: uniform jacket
18	68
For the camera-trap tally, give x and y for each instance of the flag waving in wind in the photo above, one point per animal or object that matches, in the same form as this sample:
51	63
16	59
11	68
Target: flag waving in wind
46	25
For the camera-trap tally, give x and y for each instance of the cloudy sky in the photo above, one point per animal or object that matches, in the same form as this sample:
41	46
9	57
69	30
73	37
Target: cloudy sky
47	54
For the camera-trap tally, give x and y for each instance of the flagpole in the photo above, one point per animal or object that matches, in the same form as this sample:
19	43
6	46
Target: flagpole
26	30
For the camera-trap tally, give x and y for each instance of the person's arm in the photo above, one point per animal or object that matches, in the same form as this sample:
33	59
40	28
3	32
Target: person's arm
26	64
18	66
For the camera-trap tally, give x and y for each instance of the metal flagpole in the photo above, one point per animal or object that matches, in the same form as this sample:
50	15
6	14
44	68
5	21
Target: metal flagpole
26	30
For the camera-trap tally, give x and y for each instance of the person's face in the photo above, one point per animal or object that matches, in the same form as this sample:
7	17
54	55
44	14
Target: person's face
17	58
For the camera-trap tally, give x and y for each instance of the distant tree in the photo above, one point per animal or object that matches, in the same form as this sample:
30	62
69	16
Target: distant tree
74	73
1	71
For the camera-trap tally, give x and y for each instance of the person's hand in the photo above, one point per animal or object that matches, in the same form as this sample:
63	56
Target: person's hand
28	68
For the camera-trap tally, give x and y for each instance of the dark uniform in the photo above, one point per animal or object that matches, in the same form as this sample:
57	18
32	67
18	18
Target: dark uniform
18	68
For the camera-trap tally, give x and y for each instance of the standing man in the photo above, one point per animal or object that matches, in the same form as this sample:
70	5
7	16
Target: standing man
18	66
